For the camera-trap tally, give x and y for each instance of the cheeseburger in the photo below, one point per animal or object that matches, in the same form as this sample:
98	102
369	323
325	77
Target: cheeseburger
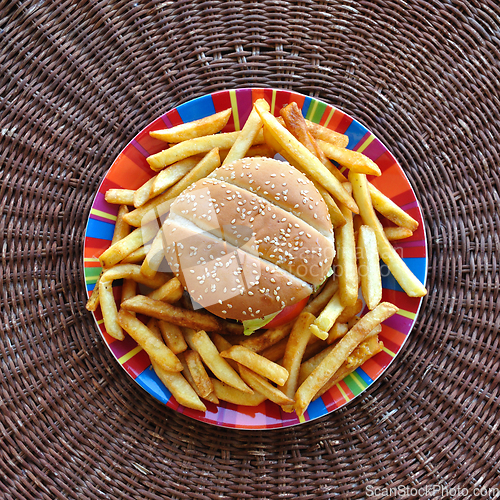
249	240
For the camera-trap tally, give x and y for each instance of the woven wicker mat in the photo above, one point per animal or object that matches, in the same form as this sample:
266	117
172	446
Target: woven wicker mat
79	79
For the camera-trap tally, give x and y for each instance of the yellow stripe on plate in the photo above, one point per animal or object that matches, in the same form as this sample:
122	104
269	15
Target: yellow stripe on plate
329	118
103	214
130	354
406	314
358	380
302	419
346	397
273	102
391	354
234	105
365	144
100	322
91	259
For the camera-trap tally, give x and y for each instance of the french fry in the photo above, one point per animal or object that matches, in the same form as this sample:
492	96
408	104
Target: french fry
353	160
187	375
275	352
201	342
120	196
346	265
93	300
295	348
369	267
109	310
119	250
222	344
390	210
337	331
231	395
172	174
262	386
154	257
307	367
332	362
246	136
172	335
327	317
198	128
176	315
193	147
198	372
180	388
350	311
122	229
133	271
367	349
257	363
407	280
325	134
160	205
170	292
137	256
143	193
258	343
155	348
318	303
129	289
309	163
397	233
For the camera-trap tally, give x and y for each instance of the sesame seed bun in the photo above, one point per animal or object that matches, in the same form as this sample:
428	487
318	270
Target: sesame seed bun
251	239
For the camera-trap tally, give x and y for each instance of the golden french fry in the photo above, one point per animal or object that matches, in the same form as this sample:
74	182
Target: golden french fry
193	147
246	136
198	128
263	150
156	349
160	205
319	302
337	331
129	289
201	342
257	363
367	349
295	348
230	394
220	342
309	163
407	280
137	256
122	229
133	271
369	267
332	362
198	372
307	367
397	233
350	311
154	257
346	265
93	300
121	249
172	335
179	387
173	314
170	292
390	210
172	174
109	310
325	134
327	317
187	375
276	351
353	160
262	386
120	196
143	193
258	343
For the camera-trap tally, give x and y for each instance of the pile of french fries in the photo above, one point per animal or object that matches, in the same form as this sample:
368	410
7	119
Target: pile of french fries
200	357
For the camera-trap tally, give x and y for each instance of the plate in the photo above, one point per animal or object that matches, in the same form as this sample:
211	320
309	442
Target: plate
130	170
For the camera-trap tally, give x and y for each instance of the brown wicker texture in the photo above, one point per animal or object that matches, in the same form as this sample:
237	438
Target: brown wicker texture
79	79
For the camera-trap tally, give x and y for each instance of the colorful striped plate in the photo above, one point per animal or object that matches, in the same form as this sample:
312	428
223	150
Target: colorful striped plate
130	170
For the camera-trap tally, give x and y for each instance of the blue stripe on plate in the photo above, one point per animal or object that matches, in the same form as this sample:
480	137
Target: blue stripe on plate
100	229
305	106
355	132
364	376
316	409
194	110
149	381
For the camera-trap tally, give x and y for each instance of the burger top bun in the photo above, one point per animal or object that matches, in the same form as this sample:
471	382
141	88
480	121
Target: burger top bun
252	238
